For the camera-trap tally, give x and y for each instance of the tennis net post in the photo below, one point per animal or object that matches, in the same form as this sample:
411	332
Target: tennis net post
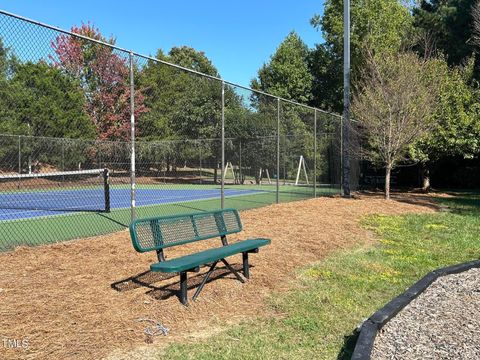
106	188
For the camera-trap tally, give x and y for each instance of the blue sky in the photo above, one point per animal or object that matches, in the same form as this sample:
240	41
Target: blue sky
238	36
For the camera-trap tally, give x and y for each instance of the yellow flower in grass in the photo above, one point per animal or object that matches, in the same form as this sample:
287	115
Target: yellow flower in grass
389	277
390	273
387	242
317	273
377	267
436	226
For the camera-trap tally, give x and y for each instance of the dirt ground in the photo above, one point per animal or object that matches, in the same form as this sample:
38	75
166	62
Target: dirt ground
83	299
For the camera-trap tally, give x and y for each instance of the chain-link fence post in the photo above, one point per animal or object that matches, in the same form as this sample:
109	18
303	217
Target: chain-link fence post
199	145
341	156
19	154
277	192
63	155
132	141
100	159
222	200
315	153
346	100
240	175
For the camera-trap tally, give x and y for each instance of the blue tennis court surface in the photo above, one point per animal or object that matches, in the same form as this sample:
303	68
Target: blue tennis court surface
24	205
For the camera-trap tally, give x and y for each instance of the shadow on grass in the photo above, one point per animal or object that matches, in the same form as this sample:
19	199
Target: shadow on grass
429	202
468	203
348	346
110	218
461	202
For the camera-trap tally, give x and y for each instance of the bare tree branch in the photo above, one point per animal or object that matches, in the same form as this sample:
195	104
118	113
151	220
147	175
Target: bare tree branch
393	107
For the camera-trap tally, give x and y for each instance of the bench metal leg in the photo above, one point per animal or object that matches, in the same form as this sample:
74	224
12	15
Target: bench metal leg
246	268
183	278
237	275
183	288
204	280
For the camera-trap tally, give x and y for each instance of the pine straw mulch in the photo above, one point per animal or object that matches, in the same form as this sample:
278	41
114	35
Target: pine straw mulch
82	299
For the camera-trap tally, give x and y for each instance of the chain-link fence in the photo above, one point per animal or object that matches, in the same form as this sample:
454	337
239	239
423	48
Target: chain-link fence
92	135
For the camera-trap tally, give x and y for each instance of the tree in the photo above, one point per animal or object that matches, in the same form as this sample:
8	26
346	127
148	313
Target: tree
9	95
104	77
451	28
183	106
287	74
251	120
475	41
394	106
9	119
456	119
327	70
449	23
475	13
39	100
378	27
190	58
50	103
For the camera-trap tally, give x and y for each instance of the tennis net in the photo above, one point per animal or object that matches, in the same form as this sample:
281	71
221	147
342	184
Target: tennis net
83	190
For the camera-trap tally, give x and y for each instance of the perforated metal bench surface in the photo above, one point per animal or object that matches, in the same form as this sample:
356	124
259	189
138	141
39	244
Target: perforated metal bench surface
188	262
156	234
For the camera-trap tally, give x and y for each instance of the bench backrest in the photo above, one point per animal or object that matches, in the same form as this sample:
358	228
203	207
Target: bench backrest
161	232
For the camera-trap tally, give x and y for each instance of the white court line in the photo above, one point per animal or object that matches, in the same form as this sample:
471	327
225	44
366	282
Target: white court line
126	208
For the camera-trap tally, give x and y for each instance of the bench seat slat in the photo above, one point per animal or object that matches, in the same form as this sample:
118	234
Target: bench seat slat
188	262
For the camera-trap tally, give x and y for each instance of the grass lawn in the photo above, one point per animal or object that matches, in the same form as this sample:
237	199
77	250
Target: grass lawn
317	318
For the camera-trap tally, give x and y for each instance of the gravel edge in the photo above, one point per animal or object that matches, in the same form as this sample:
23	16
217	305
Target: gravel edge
369	329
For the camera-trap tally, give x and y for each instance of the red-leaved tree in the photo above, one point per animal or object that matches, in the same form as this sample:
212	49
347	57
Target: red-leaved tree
103	74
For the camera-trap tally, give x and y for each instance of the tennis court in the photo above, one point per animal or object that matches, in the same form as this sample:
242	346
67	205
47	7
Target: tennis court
32	204
57	207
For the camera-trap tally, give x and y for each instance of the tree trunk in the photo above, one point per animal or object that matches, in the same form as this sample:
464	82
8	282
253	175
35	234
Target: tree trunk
168	164
258	177
388	172
425	174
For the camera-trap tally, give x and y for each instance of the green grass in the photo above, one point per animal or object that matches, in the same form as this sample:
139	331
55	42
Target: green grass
51	229
318	317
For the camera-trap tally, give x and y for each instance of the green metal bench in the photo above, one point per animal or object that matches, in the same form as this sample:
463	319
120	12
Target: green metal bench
156	234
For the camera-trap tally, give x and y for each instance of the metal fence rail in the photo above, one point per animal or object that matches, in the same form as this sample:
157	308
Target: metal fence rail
173	139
